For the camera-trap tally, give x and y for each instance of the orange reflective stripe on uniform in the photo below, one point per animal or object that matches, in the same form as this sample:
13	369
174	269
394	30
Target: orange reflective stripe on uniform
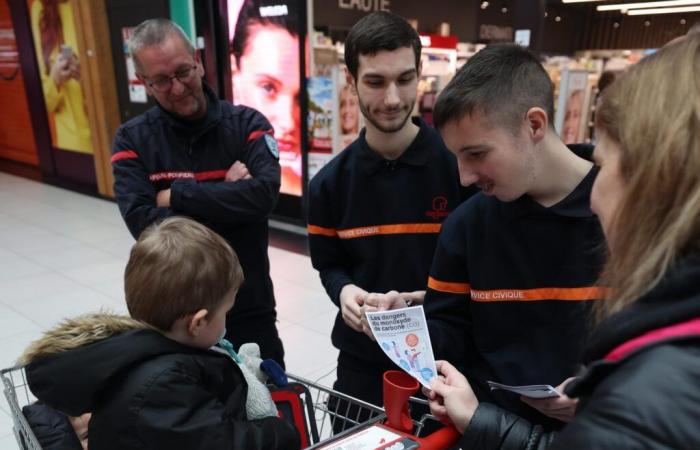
526	295
401	228
315	229
374	230
446	286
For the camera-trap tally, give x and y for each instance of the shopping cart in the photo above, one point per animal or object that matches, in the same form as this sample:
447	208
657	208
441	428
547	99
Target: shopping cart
18	395
327	419
322	416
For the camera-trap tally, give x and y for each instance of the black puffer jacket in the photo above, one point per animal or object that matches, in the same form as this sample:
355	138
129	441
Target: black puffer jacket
146	391
52	428
642	386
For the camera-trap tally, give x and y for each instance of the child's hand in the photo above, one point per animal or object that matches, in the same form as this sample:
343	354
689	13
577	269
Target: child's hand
80	426
451	396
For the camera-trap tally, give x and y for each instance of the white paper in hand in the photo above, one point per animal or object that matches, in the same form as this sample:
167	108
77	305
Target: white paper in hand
403	336
532	391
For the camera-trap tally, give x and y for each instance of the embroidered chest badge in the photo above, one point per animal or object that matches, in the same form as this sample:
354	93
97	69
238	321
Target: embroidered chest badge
272	146
439	208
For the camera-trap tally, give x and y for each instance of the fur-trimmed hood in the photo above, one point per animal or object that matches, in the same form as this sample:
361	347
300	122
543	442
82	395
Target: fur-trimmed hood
77	332
73	364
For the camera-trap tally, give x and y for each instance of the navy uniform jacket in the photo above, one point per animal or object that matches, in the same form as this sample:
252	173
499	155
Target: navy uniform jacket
641	388
374	222
510	290
156	151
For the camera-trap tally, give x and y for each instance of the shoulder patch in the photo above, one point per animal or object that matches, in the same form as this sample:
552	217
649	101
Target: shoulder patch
272	146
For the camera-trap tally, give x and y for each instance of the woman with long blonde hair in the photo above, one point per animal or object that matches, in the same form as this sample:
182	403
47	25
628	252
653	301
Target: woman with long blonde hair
641	386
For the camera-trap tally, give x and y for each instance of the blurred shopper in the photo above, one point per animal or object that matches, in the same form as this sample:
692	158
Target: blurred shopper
198	156
641	388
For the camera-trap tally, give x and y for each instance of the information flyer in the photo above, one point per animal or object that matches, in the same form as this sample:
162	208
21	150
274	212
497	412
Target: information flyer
403	336
375	437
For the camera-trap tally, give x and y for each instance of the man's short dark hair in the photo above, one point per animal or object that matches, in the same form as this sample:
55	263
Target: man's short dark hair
251	15
502	81
379	31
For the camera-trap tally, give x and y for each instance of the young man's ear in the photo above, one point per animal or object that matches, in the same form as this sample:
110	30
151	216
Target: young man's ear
537	123
350	80
196	322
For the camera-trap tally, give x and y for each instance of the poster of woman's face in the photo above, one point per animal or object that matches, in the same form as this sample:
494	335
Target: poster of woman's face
349	111
265	74
572	117
572	106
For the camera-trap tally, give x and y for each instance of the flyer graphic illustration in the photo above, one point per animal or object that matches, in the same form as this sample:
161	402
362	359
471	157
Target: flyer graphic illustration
403	336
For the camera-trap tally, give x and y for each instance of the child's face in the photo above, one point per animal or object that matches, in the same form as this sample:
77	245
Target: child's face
80	426
216	322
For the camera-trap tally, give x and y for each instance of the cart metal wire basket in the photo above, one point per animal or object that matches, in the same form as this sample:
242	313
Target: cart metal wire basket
18	395
319	413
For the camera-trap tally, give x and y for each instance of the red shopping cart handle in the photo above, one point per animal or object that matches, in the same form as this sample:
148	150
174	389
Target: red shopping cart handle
444	438
441	439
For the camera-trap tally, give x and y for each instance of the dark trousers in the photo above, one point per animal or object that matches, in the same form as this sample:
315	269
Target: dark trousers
262	331
358	379
361	379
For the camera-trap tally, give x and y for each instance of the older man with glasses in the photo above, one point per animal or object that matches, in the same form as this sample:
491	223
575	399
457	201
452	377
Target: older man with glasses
198	156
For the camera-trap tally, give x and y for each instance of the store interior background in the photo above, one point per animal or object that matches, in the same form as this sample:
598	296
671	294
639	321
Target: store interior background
63	245
575	41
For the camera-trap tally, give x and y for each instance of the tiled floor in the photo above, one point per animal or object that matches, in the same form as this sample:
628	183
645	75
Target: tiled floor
63	254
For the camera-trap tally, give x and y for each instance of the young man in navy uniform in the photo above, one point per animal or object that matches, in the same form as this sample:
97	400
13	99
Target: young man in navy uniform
515	268
376	209
198	156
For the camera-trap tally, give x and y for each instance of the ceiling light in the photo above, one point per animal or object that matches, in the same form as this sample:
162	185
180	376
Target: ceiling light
642	12
628	6
557	19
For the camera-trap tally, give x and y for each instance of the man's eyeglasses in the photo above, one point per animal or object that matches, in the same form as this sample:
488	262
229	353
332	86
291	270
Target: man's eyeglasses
162	84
